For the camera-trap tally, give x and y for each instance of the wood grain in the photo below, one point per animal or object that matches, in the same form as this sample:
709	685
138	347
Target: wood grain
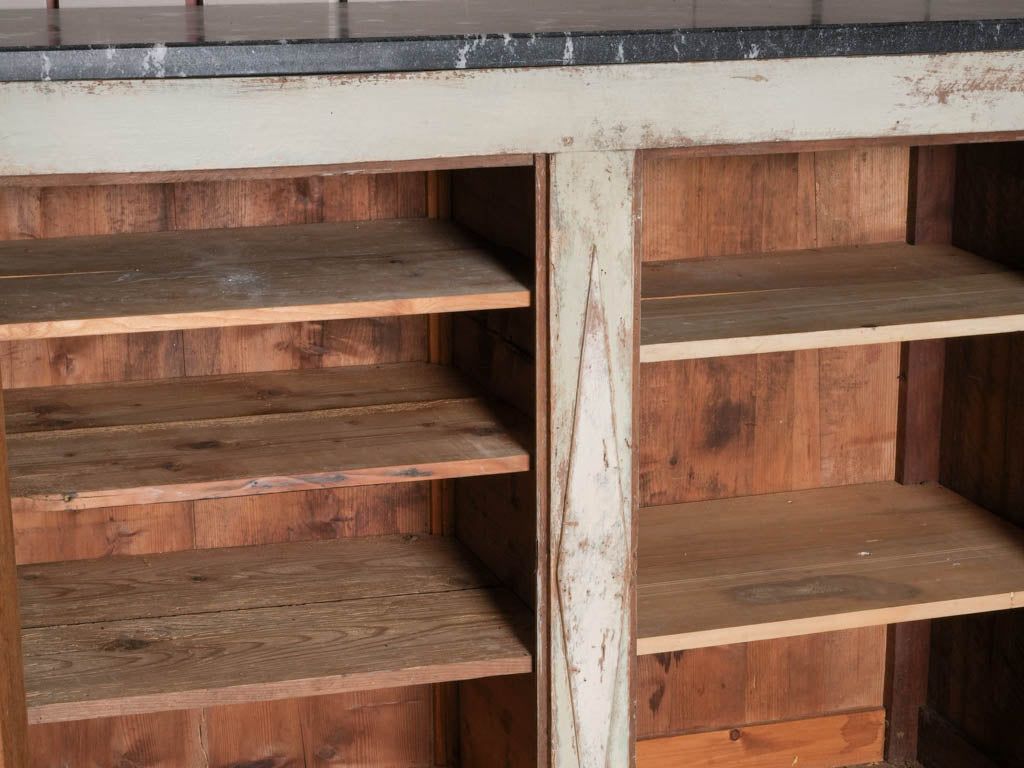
498	722
331	513
592	275
721	427
239	578
194	629
164	739
13	723
166	281
715	428
823	742
883	553
908	647
372	440
847	296
785	679
198	398
918	442
68	534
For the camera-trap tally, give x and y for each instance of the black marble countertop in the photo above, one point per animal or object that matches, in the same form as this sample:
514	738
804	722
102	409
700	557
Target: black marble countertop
419	35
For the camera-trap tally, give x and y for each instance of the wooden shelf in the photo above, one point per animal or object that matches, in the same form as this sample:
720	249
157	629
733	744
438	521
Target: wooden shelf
761	567
823	298
215	436
175	280
190	629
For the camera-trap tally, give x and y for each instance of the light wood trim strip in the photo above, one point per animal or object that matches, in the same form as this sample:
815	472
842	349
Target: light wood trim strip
818	742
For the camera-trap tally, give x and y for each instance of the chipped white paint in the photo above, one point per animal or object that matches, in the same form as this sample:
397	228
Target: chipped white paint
592	274
112	126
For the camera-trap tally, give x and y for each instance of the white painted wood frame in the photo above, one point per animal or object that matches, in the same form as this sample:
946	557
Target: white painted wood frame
180	124
593	288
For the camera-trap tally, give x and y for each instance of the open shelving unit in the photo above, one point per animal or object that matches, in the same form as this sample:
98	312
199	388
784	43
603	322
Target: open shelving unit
366	561
816	459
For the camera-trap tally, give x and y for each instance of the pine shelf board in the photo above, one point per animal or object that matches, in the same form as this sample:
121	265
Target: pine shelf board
213	278
128	635
826	297
87	446
786	564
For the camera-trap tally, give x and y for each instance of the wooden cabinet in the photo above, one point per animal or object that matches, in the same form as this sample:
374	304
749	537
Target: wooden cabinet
623	415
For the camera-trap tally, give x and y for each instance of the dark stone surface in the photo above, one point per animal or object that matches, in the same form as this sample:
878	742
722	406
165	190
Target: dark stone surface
419	35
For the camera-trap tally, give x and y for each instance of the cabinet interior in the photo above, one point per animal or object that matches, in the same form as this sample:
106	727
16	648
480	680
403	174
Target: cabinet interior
827	396
272	449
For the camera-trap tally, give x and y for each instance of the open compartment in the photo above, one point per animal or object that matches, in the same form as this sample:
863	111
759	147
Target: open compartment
260	436
795	391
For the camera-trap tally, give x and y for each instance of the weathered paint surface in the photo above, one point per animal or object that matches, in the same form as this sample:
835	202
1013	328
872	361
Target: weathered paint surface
592	280
160	125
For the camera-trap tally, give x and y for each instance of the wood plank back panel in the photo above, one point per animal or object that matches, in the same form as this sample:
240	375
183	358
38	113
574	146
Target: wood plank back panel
918	441
787	679
13	723
238	735
765	423
500	517
977	663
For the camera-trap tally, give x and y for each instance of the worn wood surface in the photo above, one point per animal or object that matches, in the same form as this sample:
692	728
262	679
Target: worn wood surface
919	433
307	120
13	723
870	294
498	722
908	647
240	578
171	280
272	172
197	398
977	667
831	741
819	560
503	518
734	426
239	734
724	427
790	678
919	438
373	438
592	272
187	629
